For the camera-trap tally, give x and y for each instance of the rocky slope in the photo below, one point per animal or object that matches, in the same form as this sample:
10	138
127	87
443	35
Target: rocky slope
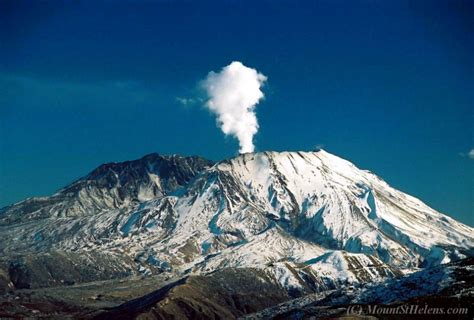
440	288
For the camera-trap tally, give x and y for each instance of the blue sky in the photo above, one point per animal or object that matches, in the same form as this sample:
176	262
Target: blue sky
384	84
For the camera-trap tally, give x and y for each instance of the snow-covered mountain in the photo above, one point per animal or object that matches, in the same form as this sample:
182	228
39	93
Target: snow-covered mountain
310	220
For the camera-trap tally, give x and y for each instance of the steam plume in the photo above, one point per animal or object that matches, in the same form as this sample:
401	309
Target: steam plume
233	94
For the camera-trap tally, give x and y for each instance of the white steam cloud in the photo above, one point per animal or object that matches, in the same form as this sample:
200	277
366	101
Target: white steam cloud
471	154
233	94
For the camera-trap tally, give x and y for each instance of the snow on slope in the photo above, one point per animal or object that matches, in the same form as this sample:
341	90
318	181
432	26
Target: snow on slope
326	200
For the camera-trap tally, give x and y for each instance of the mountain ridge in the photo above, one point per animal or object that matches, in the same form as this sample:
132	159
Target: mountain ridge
140	173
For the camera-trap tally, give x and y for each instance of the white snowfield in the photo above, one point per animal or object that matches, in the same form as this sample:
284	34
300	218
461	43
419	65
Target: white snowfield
289	213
